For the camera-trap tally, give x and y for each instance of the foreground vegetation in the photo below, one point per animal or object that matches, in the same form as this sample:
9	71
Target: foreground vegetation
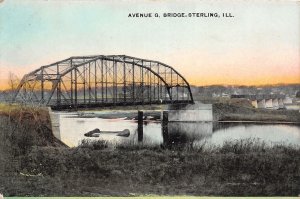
34	163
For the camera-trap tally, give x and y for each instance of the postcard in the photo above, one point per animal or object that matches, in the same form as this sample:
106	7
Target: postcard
151	98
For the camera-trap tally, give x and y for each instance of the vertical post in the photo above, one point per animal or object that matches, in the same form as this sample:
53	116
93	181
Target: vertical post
114	81
148	87
75	87
177	87
102	81
124	76
71	85
140	126
58	86
154	88
42	85
158	88
133	95
58	92
95	83
171	93
165	133
106	81
83	84
150	84
142	87
167	82
71	89
89	82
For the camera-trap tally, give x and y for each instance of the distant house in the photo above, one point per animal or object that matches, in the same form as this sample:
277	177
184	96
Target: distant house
225	95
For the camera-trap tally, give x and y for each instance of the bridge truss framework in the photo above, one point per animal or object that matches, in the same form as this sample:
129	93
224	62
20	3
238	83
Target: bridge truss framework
93	81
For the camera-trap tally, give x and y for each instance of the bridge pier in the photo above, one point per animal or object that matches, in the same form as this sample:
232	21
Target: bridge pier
269	103
261	103
54	119
254	103
181	133
275	103
280	103
287	100
191	113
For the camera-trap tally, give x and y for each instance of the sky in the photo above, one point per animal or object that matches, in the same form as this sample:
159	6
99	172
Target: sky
259	45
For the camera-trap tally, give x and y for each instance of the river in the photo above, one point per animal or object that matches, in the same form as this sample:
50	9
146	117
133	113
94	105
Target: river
73	126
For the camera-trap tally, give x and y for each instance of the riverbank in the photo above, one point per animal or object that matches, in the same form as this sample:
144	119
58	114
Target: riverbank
227	112
34	163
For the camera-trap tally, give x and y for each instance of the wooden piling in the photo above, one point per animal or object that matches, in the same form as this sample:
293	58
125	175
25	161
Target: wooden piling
165	117
165	133
140	126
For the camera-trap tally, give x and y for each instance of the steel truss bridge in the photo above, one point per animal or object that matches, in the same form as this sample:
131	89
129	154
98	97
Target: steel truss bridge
95	81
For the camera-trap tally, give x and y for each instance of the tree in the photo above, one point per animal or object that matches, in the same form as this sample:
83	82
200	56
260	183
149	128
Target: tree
13	82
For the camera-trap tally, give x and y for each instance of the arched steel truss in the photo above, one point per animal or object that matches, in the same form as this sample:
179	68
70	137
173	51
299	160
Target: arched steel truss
91	81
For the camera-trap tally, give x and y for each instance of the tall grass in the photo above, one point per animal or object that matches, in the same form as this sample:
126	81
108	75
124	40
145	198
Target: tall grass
237	168
242	146
20	113
26	127
239	147
94	144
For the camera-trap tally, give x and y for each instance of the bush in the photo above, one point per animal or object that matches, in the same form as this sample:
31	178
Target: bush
94	144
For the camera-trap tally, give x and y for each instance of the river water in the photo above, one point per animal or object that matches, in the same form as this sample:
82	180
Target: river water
73	127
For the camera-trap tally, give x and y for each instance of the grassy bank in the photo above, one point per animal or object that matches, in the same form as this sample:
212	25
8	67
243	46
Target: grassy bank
34	163
228	112
242	168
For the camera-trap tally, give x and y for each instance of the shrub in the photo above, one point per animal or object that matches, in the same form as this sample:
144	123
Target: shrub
94	144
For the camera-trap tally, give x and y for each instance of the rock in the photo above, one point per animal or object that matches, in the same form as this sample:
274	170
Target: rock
96	133
124	133
93	133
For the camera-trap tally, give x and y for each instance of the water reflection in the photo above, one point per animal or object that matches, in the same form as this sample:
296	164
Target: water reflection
181	134
270	133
